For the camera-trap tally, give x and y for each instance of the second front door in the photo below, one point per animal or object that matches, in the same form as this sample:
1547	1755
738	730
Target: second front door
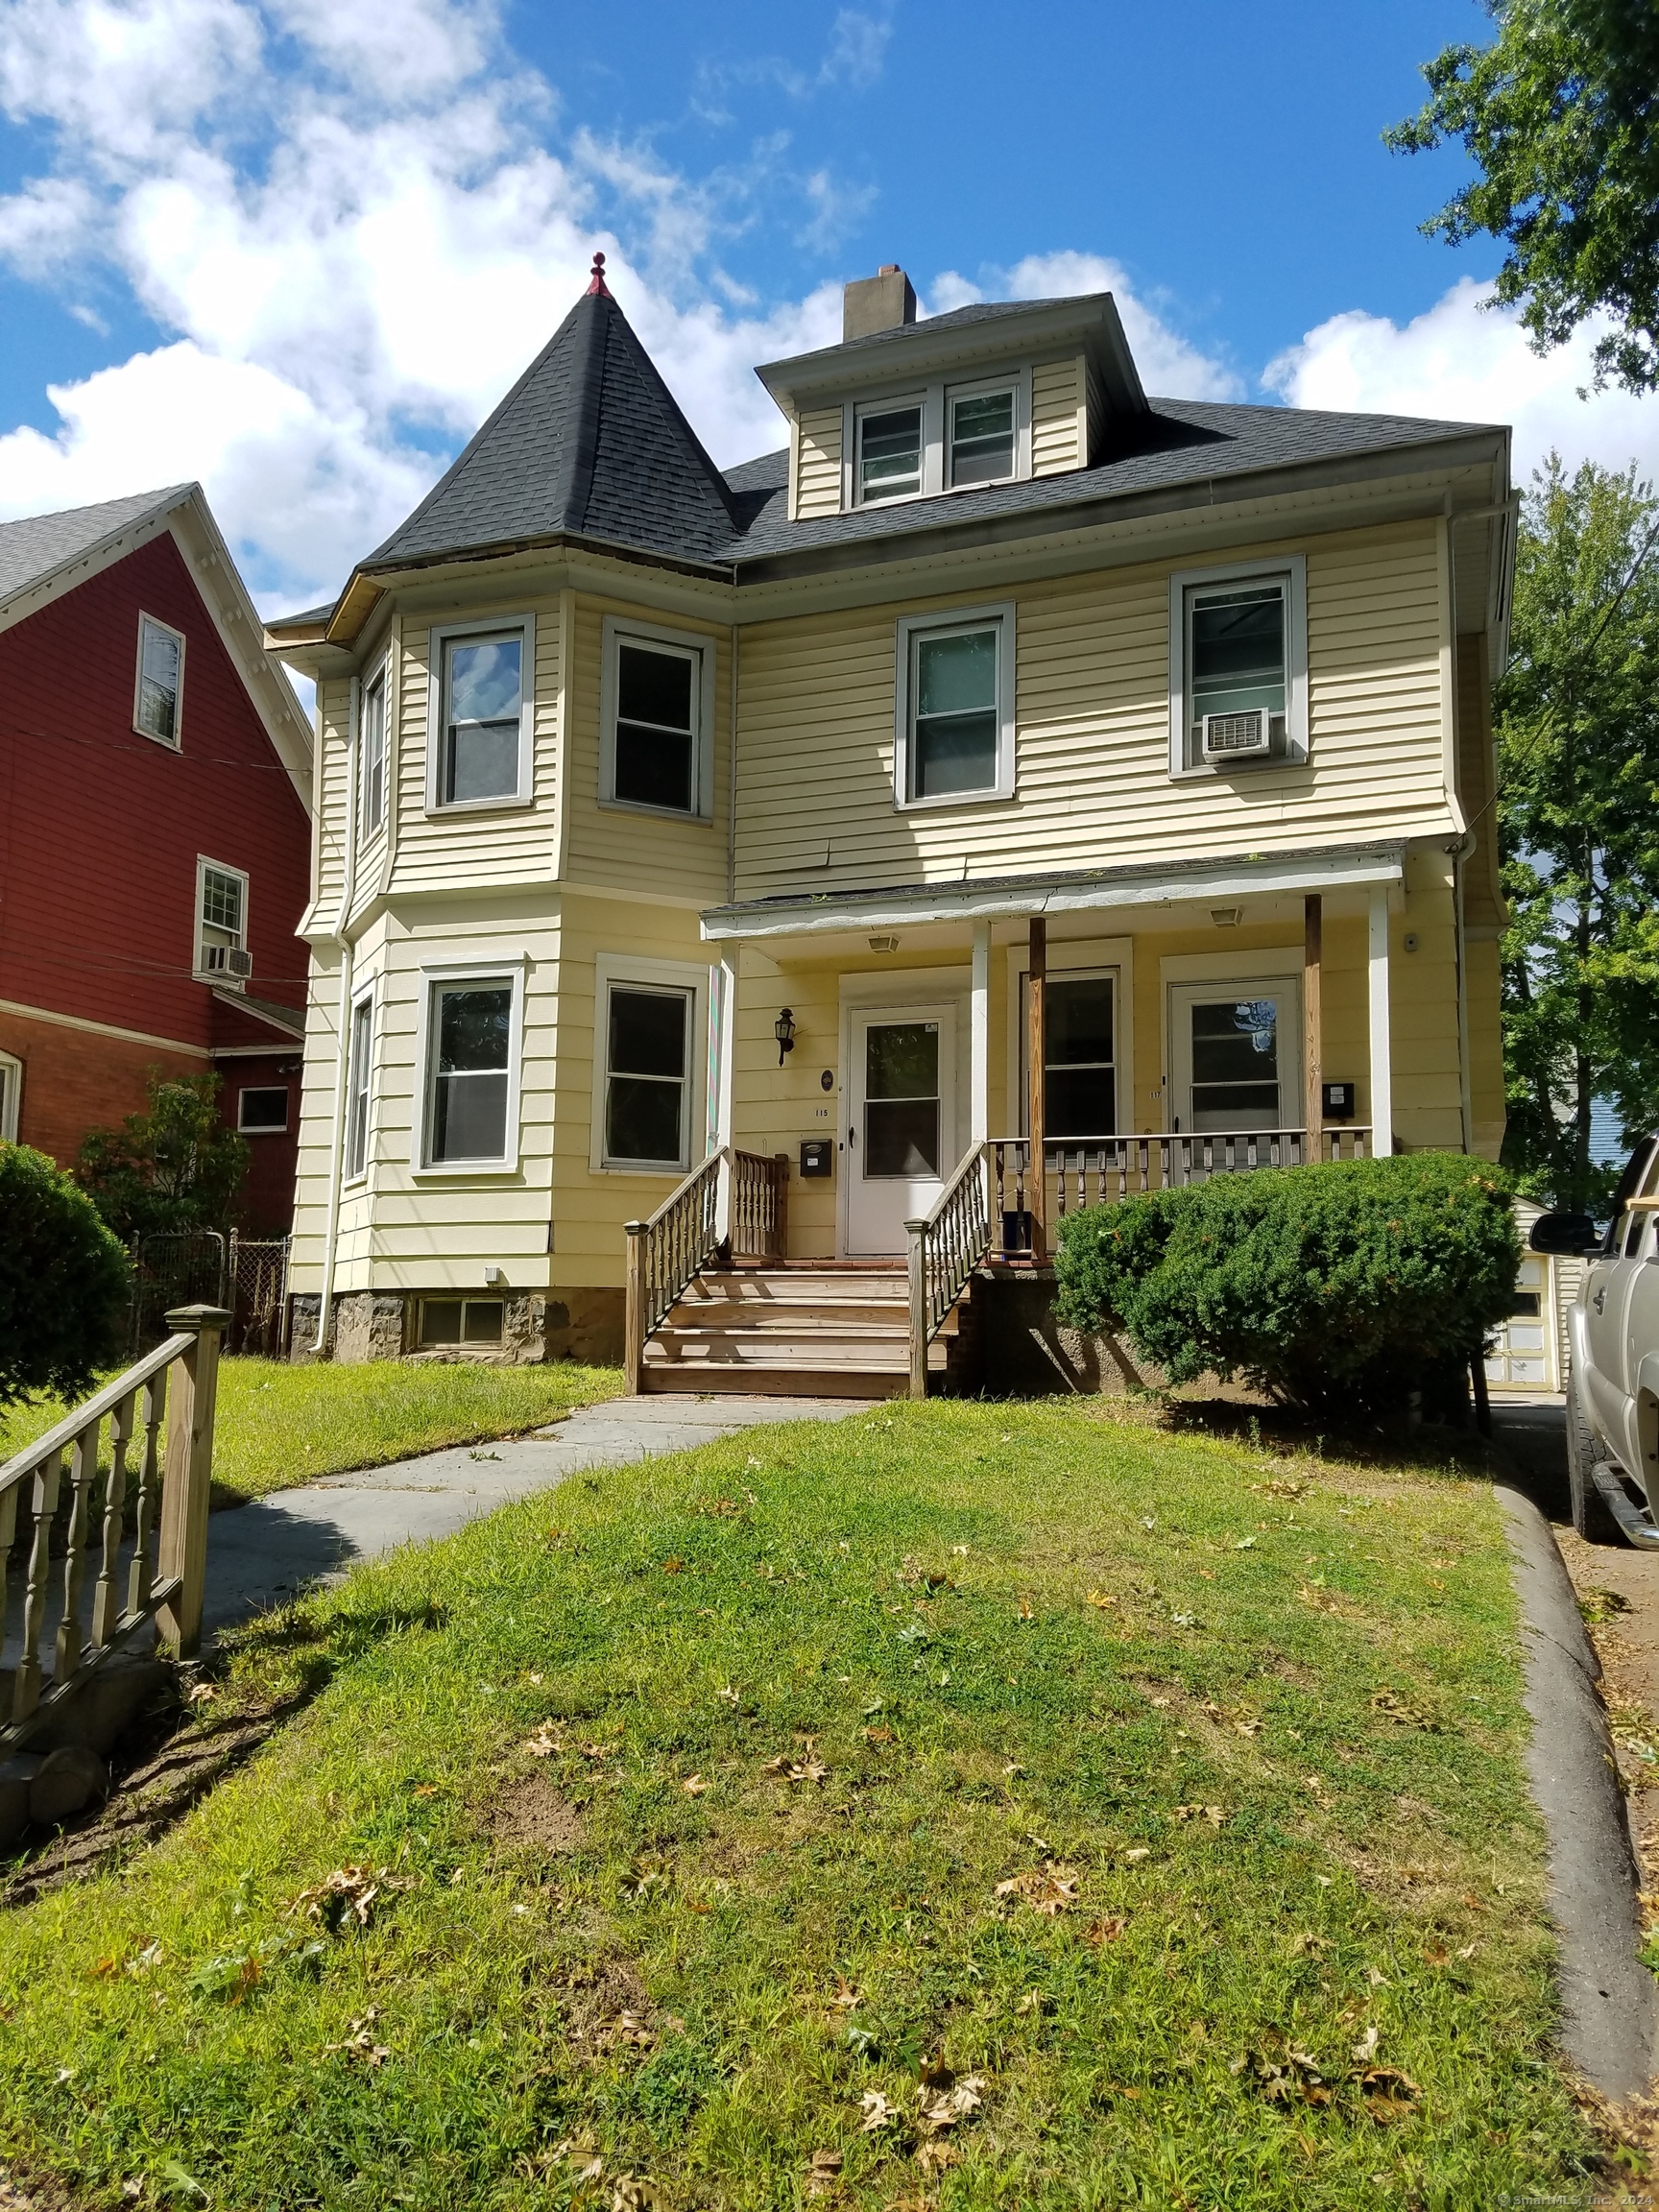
901	1121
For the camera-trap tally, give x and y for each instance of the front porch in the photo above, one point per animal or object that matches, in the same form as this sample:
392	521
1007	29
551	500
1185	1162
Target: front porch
1130	1035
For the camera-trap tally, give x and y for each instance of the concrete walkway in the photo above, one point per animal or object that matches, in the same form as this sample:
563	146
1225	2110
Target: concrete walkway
265	1554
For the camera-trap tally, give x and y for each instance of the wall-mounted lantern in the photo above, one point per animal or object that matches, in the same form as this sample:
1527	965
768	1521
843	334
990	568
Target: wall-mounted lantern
783	1029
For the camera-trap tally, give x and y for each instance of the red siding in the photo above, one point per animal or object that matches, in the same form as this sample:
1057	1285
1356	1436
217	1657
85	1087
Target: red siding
99	831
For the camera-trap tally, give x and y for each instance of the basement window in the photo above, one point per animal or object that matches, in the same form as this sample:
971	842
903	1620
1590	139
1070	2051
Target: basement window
459	1324
161	681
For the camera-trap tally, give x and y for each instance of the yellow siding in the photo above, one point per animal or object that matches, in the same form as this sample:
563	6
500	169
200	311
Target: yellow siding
1094	414
589	1206
497	846
1487	1111
616	845
818	462
1057	405
316	1134
333	773
1091	709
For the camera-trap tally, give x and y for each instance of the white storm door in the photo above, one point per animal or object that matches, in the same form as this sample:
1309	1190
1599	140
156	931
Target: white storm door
901	1121
1236	1064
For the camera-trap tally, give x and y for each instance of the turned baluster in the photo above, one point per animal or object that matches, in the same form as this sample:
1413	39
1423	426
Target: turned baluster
82	1468
153	1402
105	1603
26	1689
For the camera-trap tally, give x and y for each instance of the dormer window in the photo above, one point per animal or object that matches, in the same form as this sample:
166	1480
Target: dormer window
983	433
890	449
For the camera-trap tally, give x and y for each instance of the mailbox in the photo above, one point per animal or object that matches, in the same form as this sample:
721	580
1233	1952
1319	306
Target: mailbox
817	1157
1336	1102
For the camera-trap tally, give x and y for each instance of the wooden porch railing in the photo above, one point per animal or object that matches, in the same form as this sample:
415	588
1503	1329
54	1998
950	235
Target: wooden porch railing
165	1573
984	1211
733	1206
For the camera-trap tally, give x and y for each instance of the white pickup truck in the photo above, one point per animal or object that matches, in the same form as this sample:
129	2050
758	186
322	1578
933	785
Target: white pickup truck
1613	1383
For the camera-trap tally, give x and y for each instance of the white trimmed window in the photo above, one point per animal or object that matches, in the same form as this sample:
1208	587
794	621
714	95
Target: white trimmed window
982	435
222	924
651	1071
262	1110
159	684
1238	666
11	1097
954	727
481	708
657	715
457	1323
890	455
373	764
470	1063
359	1074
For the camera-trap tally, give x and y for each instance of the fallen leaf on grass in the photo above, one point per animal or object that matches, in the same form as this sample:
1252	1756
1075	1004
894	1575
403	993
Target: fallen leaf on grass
624	2031
846	1995
633	2192
823	2171
360	2045
1135	1857
1102	1597
1048	1889
1034	2001
672	1566
1388	2094
202	1694
934	2155
1107	1931
1210	1813
879	2112
809	1767
728	1695
545	1742
939	2110
1247	1727
1365	2050
1026	1612
878	1736
694	1785
347	1893
640	1881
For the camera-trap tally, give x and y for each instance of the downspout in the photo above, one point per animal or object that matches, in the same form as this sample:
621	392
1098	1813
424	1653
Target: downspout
1459	852
732	785
348	891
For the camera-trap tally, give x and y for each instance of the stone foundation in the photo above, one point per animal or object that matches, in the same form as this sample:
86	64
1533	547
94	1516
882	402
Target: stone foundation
582	1324
1022	1351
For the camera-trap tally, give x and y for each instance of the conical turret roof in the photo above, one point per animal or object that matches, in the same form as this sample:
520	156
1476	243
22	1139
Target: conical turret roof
590	443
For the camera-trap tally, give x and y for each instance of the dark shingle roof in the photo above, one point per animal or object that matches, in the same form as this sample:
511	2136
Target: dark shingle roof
38	544
590	441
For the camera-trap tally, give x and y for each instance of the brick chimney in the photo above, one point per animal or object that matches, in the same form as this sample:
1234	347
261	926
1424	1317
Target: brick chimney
882	303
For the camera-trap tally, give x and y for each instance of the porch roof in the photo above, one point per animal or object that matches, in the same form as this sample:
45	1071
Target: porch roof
1069	891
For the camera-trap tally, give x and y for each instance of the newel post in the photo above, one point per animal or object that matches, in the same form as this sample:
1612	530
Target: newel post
192	1394
634	1309
916	1232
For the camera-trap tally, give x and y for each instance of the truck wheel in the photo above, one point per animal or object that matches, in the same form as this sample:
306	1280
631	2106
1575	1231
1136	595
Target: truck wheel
1592	1515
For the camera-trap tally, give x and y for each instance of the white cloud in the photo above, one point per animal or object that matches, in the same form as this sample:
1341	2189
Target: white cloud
1462	363
857	49
1170	367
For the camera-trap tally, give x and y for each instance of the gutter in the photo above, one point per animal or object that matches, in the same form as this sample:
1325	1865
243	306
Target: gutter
337	1148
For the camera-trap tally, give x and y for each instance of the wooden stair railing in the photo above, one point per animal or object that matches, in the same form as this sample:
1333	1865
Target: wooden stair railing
945	1247
733	1206
165	1575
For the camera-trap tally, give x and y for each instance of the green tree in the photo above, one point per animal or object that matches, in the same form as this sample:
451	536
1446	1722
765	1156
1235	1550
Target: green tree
1579	820
1560	117
174	1167
64	1280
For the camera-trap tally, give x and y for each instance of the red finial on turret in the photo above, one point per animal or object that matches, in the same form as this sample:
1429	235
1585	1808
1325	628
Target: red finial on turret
597	283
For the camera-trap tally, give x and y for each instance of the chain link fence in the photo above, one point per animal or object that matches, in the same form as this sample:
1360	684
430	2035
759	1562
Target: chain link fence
200	1268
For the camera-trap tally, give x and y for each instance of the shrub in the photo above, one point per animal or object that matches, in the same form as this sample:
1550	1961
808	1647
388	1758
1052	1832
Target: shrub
1344	1284
64	1280
174	1168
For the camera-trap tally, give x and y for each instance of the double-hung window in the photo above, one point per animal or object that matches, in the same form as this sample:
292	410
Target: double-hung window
647	1075
471	1062
1238	661
982	432
955	724
372	770
889	457
11	1097
221	923
359	1070
481	714
656	712
161	681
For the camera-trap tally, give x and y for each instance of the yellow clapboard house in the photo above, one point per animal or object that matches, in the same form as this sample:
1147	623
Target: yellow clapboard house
752	907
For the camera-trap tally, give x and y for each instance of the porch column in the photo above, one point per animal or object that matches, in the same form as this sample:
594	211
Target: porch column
1313	1049
1382	1054
725	981
980	1039
1036	1060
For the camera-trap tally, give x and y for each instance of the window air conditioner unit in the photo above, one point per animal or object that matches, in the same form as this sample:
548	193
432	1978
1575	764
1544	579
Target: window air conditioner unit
237	962
1245	736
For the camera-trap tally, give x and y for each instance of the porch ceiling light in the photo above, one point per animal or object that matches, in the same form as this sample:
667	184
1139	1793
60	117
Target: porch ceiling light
883	944
783	1029
1226	917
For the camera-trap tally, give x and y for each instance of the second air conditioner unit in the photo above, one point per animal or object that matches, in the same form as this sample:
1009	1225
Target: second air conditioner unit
1241	737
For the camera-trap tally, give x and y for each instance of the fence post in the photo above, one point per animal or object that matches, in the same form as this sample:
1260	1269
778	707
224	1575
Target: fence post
634	1309
192	1392
917	1231
780	1205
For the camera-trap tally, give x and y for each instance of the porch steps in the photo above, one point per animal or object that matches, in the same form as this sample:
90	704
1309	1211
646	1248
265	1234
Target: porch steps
817	1330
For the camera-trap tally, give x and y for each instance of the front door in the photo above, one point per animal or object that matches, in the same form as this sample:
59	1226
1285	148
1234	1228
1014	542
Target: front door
1235	1063
901	1121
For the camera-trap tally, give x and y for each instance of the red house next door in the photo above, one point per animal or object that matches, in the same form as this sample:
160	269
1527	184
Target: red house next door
902	1122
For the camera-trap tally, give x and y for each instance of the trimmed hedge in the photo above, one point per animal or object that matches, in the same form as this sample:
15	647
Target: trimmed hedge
64	1280
1346	1284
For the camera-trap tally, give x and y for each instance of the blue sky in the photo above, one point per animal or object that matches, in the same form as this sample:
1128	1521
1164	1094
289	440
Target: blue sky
296	248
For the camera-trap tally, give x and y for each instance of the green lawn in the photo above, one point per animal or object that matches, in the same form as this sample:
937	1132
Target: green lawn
279	1425
1106	1816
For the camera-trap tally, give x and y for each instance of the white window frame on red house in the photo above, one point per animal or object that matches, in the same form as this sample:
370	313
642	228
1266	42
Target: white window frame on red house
218	977
10	1096
247	1128
175	742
